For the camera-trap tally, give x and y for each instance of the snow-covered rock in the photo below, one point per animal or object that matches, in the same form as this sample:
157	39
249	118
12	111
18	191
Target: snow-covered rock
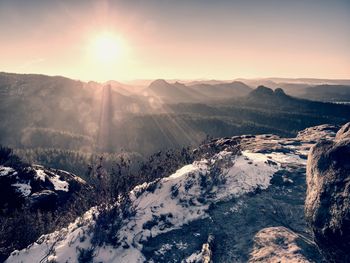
171	217
7	171
31	185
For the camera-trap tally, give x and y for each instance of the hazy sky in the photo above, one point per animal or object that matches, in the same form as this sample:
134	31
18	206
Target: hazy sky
188	39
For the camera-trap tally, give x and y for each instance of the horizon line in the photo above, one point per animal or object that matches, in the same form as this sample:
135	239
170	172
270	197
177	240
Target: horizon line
178	79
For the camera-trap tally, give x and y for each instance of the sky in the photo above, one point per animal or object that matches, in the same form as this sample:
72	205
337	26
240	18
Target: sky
184	39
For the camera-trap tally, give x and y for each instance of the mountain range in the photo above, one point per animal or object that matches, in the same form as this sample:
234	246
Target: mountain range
160	116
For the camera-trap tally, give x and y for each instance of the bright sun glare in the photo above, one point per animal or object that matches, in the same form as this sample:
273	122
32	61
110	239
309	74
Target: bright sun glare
107	48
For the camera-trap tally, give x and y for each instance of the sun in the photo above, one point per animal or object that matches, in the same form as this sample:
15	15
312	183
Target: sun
107	48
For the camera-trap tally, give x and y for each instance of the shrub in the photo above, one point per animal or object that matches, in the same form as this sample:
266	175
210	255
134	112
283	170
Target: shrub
86	255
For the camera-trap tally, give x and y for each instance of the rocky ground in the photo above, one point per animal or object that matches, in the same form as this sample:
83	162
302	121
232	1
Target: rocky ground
243	201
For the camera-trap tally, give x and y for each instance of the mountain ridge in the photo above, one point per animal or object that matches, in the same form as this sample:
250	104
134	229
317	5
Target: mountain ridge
231	176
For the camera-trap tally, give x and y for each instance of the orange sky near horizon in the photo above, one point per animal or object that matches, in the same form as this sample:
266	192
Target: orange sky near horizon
175	39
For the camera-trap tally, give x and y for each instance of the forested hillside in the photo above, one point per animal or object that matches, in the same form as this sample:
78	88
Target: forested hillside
48	120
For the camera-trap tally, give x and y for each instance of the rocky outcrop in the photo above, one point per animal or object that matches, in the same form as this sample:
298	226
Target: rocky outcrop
237	187
37	187
280	244
316	133
327	205
344	132
261	91
35	200
247	191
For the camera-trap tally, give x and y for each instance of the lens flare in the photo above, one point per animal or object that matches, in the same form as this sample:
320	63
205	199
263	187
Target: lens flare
107	48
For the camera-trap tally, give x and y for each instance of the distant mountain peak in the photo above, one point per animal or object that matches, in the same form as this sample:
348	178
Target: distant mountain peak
236	82
179	84
280	92
262	91
159	82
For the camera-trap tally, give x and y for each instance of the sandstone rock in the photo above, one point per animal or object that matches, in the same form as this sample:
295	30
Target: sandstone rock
279	244
316	133
327	205
344	132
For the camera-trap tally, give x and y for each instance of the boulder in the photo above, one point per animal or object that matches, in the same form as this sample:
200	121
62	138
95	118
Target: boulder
327	205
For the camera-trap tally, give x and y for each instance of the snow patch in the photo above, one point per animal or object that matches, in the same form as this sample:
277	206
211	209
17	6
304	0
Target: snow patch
40	174
58	184
250	171
24	189
77	178
163	249
4	171
286	158
64	240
